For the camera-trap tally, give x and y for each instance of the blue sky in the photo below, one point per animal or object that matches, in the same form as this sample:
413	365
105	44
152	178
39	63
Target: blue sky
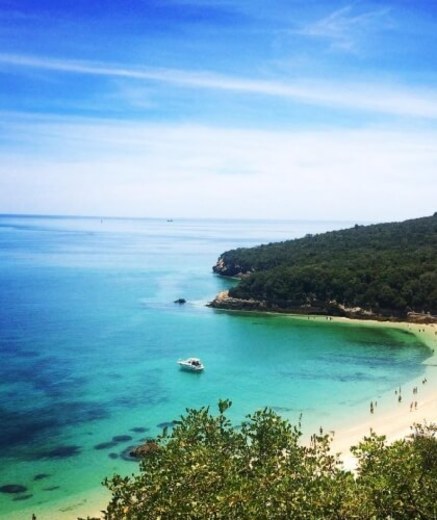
212	108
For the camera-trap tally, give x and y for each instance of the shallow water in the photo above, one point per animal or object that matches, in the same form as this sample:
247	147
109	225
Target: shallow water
89	338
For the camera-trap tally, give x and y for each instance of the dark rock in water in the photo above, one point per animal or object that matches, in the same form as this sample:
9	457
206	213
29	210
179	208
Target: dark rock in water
145	449
122	438
62	452
113	455
139	429
169	424
51	488
282	409
22	497
105	445
126	454
40	476
180	301
12	488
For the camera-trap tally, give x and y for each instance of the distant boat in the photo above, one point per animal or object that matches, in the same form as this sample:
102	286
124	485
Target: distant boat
191	364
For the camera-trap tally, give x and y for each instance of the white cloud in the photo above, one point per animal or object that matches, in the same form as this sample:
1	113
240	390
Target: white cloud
104	167
373	97
345	27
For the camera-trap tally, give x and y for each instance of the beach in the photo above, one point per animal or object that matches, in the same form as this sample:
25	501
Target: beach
395	412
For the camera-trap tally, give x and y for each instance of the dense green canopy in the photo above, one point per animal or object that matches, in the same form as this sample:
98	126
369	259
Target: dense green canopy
209	470
385	268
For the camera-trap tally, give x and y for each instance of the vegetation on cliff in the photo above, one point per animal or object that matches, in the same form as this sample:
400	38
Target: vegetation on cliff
385	269
208	469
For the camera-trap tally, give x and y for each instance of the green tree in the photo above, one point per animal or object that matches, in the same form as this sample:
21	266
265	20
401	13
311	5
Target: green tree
399	481
209	470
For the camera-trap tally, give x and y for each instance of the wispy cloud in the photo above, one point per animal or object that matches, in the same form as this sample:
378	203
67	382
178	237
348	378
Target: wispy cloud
345	27
380	98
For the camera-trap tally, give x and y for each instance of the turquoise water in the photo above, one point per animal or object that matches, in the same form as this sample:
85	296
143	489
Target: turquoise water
89	338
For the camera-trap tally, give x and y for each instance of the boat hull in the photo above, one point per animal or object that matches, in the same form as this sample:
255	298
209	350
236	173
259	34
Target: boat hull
191	365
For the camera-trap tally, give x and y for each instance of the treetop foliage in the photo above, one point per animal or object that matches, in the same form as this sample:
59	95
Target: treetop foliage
208	469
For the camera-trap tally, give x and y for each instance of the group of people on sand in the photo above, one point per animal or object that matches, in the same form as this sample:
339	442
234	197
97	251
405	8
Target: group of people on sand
413	404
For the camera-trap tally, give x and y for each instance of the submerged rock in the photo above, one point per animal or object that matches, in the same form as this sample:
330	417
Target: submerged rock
105	445
166	424
51	488
139	429
12	488
22	497
62	452
40	476
121	438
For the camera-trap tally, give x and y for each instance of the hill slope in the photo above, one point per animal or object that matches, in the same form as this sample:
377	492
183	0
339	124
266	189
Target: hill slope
382	270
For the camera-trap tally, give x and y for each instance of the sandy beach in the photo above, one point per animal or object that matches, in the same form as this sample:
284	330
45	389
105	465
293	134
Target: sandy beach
392	417
78	506
395	412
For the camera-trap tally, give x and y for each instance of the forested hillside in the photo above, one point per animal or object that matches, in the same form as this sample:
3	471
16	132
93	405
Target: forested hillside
384	269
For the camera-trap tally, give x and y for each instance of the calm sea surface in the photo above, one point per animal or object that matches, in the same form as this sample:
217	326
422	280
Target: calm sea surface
89	338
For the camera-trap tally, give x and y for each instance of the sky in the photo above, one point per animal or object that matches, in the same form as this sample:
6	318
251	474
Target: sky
278	109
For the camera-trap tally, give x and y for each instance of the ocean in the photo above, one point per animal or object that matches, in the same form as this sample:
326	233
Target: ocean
90	336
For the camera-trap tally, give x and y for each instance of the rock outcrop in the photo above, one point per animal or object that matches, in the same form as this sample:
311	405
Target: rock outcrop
226	302
227	268
144	450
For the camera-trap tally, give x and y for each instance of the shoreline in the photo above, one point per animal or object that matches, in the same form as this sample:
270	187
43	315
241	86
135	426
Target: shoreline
393	418
390	418
224	302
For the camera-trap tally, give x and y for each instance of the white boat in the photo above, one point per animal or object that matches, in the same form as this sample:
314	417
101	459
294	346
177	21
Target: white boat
192	364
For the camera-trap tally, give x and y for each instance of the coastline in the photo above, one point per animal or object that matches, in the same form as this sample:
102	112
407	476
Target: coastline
390	418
